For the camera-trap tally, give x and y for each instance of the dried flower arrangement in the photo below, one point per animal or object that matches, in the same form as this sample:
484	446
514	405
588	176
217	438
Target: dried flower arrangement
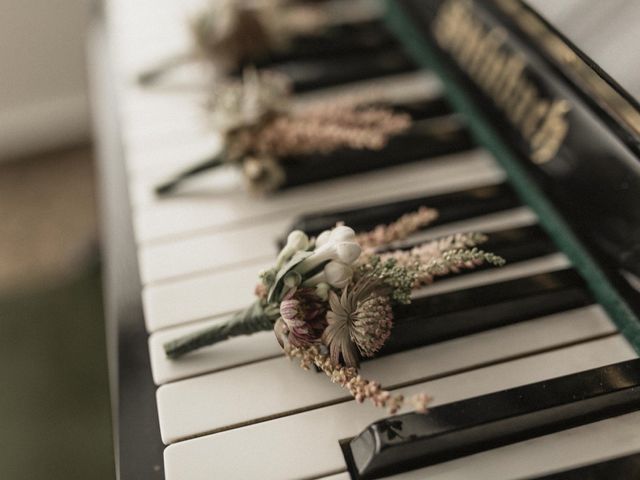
261	131
231	33
330	300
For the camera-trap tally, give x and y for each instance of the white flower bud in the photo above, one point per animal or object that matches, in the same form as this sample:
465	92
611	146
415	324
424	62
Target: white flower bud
340	246
343	233
323	238
292	279
322	290
296	241
337	274
348	252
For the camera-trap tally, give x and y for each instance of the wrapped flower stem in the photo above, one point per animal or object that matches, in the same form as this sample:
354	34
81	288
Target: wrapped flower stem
246	322
169	185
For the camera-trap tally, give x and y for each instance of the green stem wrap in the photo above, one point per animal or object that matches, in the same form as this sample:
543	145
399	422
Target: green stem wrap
251	320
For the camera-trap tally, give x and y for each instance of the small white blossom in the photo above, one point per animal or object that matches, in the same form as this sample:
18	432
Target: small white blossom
335	274
323	238
296	241
341	246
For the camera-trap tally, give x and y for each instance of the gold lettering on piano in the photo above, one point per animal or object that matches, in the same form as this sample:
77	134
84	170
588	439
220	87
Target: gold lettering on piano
501	74
546	141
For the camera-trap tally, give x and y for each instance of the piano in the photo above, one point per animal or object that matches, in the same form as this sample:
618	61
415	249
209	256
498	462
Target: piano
533	367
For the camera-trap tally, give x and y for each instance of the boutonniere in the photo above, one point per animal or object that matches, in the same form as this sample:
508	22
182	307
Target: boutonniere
230	34
264	136
330	300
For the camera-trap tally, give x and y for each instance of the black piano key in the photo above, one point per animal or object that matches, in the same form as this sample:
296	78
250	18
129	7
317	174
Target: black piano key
422	109
513	244
437	318
425	139
414	440
368	36
618	468
521	243
315	74
451	207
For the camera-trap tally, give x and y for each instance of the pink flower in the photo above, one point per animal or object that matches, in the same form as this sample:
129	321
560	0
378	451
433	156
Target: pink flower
304	314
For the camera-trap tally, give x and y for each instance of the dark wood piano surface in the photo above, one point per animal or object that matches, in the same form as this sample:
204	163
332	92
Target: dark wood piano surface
138	448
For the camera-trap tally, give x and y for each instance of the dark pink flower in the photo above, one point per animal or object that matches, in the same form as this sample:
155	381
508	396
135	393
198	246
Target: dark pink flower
304	314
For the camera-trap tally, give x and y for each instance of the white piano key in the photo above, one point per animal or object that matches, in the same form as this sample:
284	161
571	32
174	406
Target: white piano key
201	297
186	214
402	87
177	124
141	106
168	130
217	186
305	445
152	162
338	476
150	31
231	353
226	399
166	133
244	245
568	449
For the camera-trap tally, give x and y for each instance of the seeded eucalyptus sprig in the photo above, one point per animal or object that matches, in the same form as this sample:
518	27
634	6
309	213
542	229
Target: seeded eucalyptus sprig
400	279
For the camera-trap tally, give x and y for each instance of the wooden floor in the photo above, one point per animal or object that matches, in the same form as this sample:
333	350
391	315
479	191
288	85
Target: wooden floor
54	407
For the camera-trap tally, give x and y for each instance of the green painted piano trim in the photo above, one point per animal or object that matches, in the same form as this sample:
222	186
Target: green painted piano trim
486	135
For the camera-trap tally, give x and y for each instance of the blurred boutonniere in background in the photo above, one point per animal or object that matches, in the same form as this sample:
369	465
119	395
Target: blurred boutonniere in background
229	35
263	134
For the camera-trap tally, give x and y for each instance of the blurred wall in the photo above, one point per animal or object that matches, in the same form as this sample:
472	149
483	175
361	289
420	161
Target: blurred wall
43	101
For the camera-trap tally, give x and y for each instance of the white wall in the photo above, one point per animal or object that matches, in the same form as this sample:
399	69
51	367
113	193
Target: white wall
43	101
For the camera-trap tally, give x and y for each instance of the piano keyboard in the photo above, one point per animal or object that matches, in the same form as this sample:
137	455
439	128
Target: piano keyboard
239	409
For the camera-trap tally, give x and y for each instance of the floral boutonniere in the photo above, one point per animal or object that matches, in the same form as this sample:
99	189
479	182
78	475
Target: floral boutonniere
330	300
262	134
229	34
